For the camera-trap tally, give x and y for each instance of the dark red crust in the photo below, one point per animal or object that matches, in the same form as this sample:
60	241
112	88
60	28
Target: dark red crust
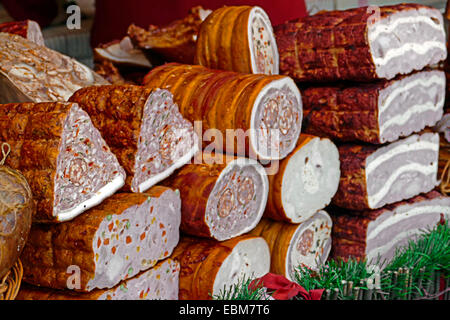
330	45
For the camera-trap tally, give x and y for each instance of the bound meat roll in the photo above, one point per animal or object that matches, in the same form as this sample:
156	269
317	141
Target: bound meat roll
27	29
265	109
33	73
222	197
362	44
375	113
376	234
208	267
293	245
305	182
372	177
126	234
68	165
157	283
238	38
144	129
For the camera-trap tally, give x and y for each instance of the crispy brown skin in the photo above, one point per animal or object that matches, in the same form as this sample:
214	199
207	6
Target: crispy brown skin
350	227
51	249
200	260
330	45
109	71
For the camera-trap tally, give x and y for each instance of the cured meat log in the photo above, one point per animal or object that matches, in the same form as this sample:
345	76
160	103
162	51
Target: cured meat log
238	38
208	267
305	182
28	29
144	129
372	177
126	234
33	73
375	113
68	165
376	234
361	44
221	197
234	106
293	245
172	43
159	282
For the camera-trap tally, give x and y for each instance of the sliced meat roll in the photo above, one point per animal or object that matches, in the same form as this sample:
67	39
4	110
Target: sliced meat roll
375	113
222	197
27	29
372	177
143	128
157	283
293	245
238	38
361	44
376	234
306	180
68	165
126	234
254	115
208	267
33	73
122	52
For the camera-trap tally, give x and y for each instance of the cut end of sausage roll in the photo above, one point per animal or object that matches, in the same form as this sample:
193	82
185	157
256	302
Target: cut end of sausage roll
402	169
310	244
310	179
263	46
250	258
33	73
410	104
276	120
237	201
87	172
167	141
123	53
407	40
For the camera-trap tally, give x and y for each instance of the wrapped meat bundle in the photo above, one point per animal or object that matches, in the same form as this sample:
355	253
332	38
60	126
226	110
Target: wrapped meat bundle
222	197
372	177
126	234
375	234
157	283
33	73
375	113
144	129
306	180
172	43
266	109
208	267
67	163
293	245
362	44
238	38
28	29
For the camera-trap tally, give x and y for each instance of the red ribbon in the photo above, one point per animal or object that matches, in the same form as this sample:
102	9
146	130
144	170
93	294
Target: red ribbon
284	288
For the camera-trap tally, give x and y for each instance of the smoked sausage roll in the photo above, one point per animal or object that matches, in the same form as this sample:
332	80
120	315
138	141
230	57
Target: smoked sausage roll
293	245
221	198
361	44
208	267
126	234
144	129
264	111
238	38
27	29
376	234
33	73
378	112
372	177
157	283
68	165
305	182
